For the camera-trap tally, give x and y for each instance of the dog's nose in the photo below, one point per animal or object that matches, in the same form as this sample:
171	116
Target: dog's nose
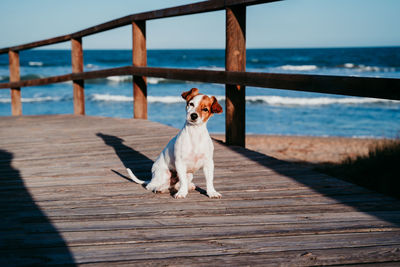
194	116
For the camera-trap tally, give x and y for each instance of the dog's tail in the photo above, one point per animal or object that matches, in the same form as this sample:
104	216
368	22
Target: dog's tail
134	178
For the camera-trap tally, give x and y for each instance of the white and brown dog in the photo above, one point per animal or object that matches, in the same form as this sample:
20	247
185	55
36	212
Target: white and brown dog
190	150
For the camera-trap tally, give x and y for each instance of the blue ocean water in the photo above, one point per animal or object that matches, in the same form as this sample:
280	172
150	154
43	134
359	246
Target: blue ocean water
268	111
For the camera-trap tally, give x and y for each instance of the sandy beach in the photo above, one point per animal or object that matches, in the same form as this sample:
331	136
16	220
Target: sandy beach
306	149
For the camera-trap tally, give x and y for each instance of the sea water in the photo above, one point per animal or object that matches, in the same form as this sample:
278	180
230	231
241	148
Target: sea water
268	111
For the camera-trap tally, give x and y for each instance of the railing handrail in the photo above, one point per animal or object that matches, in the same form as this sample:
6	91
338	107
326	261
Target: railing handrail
189	9
385	88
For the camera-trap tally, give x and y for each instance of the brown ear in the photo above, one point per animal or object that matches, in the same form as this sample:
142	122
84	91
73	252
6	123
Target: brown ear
190	94
215	106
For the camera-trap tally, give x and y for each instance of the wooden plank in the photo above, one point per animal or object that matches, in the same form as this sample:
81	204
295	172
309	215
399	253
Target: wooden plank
38	82
16	106
200	7
384	256
55	40
139	59
218	247
203	233
385	88
235	60
77	67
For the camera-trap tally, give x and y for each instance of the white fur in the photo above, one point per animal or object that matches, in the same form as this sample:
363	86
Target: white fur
190	150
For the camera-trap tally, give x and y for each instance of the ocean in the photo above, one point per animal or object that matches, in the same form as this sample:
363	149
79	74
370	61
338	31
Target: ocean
268	111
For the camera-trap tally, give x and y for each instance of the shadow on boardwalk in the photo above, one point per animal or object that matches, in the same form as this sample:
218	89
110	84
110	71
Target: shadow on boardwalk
380	206
27	236
128	157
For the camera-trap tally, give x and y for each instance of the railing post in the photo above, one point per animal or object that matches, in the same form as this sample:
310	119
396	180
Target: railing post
16	107
77	66
139	59
235	60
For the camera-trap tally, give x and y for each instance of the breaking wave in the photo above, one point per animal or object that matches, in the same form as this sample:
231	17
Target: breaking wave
361	68
35	63
150	80
268	100
37	99
298	67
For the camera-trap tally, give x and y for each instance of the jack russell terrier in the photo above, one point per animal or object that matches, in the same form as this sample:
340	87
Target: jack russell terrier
190	150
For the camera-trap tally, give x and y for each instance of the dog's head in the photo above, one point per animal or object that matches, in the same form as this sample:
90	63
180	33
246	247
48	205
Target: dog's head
199	107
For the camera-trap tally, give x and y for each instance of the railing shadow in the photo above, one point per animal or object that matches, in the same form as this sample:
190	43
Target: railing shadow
370	202
27	236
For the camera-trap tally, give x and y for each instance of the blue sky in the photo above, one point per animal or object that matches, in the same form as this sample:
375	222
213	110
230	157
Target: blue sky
290	23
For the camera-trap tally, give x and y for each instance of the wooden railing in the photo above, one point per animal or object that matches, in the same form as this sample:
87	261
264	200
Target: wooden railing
234	77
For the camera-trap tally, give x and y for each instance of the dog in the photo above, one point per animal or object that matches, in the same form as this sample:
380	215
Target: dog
190	150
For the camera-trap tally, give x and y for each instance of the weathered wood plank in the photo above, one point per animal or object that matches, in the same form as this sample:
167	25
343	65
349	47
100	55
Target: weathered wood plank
137	250
385	256
205	233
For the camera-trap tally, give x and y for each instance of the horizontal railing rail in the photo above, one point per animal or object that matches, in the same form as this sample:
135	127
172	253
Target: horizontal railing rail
234	77
385	88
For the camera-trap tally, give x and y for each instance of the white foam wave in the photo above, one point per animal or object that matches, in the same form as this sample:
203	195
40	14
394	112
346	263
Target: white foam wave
299	67
118	79
315	101
270	100
123	98
211	68
365	68
165	99
128	78
108	97
35	63
349	65
34	99
153	80
91	66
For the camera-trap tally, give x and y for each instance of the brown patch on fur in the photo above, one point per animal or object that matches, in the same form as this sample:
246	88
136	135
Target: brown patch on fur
190	94
215	106
205	108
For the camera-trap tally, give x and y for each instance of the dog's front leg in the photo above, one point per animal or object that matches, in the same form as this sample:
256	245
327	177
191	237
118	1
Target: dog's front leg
209	174
181	171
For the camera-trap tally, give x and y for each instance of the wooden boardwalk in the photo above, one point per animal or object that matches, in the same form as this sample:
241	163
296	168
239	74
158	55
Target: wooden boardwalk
65	199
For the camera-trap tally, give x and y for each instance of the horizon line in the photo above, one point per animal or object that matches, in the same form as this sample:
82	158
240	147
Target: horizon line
248	48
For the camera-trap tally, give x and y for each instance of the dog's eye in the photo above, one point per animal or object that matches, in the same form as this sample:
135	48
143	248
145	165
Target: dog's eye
191	104
205	109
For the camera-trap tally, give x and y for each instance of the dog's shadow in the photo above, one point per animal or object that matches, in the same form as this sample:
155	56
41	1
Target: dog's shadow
128	157
139	164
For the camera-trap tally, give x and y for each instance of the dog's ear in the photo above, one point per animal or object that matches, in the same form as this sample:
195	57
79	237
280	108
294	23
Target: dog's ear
190	94
215	106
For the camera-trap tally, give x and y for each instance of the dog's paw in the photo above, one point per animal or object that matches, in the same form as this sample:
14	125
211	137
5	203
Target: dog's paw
214	194
153	188
180	195
192	186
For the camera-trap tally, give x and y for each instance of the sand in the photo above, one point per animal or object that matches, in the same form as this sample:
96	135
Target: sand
306	149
